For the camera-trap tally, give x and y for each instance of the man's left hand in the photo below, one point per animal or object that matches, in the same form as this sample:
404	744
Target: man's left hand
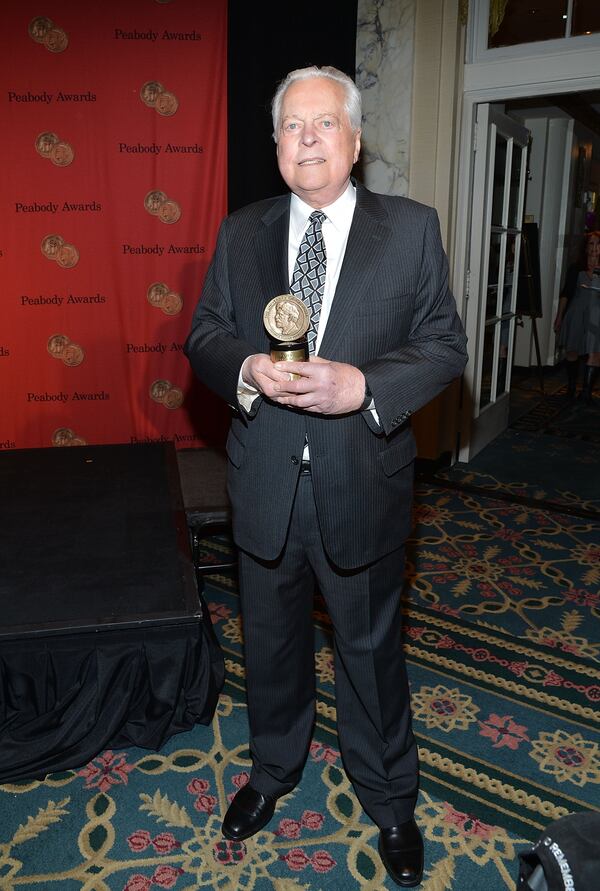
329	388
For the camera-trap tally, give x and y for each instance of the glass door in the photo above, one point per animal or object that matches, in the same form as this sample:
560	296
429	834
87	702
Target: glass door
499	179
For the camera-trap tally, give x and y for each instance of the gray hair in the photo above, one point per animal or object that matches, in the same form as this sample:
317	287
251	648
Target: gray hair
353	104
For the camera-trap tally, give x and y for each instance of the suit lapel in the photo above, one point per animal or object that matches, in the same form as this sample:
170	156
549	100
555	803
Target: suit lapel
366	245
272	249
367	242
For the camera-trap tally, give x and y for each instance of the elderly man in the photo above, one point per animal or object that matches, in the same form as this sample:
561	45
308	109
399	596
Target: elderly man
321	453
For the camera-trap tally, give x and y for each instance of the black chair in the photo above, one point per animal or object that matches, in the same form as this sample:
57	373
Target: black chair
202	474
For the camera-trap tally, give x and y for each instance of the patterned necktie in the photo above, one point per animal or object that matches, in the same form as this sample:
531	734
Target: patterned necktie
308	277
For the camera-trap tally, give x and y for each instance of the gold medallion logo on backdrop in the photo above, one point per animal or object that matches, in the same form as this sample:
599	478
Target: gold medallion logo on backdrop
154	95
62	347
160	205
64	436
161	297
164	393
44	31
54	247
51	147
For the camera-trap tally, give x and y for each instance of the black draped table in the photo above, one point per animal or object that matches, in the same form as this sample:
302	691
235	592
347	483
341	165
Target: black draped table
103	642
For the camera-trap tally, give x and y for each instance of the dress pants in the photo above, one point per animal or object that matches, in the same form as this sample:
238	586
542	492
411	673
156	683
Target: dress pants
372	697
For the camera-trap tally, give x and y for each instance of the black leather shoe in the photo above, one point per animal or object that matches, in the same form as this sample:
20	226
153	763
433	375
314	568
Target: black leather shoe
401	849
247	814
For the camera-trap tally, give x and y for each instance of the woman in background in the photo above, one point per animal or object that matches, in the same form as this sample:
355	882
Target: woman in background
578	318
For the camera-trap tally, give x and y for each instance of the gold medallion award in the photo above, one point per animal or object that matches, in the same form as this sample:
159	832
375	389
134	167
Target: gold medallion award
286	319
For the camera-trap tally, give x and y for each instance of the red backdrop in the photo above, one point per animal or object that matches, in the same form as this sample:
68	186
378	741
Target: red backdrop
114	182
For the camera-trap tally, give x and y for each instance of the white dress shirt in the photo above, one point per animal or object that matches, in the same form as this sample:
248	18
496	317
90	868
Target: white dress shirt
336	228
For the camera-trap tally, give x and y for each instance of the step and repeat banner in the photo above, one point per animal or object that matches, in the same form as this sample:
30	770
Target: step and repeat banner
114	182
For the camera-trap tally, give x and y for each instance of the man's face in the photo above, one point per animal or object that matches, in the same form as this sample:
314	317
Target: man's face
316	147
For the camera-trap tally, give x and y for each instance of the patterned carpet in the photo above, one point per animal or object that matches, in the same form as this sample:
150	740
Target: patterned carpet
502	635
528	572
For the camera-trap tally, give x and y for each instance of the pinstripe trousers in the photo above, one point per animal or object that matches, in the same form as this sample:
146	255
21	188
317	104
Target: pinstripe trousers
378	748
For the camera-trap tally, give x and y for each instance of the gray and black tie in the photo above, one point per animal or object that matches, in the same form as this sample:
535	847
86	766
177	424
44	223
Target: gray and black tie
308	277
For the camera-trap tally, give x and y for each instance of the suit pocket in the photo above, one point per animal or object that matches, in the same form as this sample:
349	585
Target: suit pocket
235	449
398	455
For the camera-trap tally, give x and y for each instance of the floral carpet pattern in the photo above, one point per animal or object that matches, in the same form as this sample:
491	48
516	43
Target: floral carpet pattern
526	571
502	637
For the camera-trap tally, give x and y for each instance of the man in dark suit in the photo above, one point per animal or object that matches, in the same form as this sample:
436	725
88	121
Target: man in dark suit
321	453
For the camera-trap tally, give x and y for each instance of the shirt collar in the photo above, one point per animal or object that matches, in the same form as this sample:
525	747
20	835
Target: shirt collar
337	213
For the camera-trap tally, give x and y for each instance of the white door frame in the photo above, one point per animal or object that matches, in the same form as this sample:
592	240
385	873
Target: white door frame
537	75
489	421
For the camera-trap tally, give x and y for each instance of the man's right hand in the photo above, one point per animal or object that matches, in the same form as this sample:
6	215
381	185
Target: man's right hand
259	372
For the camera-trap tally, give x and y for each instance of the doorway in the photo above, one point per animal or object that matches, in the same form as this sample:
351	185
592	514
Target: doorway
485	242
498	195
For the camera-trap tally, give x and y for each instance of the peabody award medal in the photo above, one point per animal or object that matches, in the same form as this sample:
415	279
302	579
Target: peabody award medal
286	319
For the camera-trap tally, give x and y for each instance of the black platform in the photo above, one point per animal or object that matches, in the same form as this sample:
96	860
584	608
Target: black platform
102	639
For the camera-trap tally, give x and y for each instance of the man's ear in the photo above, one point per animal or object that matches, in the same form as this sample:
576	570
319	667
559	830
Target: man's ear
357	145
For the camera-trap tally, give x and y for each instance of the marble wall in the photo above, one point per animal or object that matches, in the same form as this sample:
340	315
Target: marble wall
384	65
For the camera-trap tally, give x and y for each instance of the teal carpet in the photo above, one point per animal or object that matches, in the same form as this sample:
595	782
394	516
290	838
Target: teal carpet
502	636
547	467
548	454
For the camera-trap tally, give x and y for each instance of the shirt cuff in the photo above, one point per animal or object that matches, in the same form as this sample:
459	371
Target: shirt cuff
373	411
246	393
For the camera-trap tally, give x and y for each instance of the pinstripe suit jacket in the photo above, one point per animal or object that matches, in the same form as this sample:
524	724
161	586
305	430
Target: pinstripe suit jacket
392	316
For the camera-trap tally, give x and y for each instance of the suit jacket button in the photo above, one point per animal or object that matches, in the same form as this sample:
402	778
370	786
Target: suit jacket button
294	460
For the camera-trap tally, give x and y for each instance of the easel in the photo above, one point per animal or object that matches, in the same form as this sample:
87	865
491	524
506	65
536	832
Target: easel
533	304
